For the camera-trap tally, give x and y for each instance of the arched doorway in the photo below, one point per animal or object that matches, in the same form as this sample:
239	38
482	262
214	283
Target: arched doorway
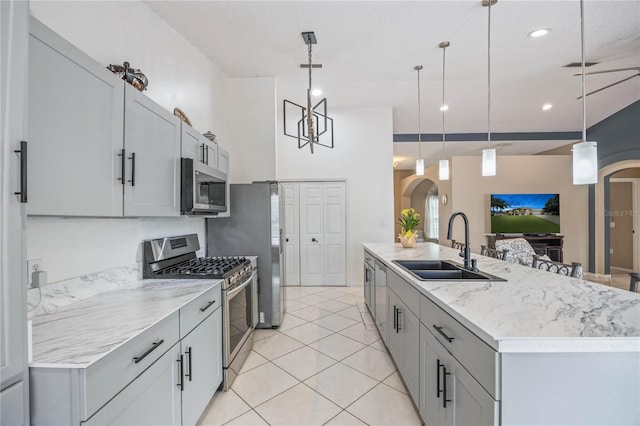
602	214
421	194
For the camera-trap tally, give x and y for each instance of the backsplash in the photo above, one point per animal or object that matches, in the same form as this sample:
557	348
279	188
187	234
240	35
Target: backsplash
53	296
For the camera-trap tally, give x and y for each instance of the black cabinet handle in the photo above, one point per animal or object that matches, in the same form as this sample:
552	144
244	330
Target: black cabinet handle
207	306
153	347
180	361
398	321
123	158
438	390
23	171
188	352
204	147
444	387
449	339
395	316
366	275
133	169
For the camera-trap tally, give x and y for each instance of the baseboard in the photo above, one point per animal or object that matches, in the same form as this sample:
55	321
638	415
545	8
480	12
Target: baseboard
591	276
622	270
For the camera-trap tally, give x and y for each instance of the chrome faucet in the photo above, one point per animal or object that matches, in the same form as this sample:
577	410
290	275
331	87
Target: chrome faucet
468	263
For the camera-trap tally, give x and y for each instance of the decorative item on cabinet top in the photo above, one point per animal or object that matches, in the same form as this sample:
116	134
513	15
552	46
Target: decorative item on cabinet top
131	75
182	116
210	136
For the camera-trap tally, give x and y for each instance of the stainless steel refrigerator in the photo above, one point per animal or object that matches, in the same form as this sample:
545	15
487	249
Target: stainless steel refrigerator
255	228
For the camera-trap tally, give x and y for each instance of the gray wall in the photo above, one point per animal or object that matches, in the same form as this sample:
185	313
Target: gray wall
618	138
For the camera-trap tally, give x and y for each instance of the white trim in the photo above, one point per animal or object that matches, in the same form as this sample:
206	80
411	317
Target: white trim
635	206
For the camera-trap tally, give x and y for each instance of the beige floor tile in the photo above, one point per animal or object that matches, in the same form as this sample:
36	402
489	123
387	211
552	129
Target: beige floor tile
379	345
262	383
341	384
335	322
263	333
344	419
308	333
290	321
313	289
292	293
313	299
310	313
299	405
253	360
226	406
276	346
337	347
360	333
333	305
250	418
304	362
352	313
371	362
294	305
395	381
384	405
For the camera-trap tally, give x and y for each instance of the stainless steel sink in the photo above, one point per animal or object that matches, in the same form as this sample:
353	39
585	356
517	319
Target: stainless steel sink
443	270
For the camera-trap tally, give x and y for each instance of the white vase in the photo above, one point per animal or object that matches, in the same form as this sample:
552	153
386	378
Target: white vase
408	242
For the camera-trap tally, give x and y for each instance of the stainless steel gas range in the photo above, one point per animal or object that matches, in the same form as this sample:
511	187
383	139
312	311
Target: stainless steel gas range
175	257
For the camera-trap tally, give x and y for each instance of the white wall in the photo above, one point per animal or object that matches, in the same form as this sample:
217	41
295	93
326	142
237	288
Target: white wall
251	107
535	174
363	155
179	76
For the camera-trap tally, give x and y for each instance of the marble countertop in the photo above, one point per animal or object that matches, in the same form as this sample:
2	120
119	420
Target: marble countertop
78	334
533	311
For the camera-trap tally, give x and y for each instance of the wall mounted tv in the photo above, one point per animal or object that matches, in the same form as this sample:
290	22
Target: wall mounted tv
525	213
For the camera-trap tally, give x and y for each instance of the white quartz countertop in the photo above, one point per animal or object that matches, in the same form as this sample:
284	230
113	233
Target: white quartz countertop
76	335
533	311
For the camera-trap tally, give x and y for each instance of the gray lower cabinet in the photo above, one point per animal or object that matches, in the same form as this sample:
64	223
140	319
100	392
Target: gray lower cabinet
152	399
380	298
369	283
449	395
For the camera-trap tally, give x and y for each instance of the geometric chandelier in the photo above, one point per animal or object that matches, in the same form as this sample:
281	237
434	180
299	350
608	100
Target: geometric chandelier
312	120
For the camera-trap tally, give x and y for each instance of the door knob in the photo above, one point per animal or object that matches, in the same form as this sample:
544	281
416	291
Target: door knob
314	240
286	239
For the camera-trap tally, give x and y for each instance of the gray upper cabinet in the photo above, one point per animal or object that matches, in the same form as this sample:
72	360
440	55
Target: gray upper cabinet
223	160
152	157
197	147
75	110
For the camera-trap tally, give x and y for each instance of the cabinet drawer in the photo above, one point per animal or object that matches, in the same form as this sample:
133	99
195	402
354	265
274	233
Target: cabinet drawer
368	257
113	372
199	309
404	291
475	355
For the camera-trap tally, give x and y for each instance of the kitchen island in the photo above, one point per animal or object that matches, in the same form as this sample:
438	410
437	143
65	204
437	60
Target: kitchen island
537	348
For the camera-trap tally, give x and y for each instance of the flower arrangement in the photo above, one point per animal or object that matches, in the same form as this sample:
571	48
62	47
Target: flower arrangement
409	220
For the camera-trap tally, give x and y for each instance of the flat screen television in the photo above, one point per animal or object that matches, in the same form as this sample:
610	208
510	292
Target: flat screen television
525	213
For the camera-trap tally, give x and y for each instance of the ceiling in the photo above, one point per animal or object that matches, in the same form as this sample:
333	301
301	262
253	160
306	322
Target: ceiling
369	50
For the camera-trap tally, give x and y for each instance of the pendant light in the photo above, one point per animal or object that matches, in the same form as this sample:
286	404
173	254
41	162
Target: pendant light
585	154
489	155
419	161
443	169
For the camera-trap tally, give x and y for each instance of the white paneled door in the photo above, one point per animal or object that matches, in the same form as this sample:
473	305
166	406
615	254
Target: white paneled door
322	233
290	193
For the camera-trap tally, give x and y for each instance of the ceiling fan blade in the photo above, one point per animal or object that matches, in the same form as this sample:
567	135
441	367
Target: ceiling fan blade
611	85
613	70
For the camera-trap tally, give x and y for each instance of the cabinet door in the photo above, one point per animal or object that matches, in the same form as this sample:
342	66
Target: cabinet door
381	300
210	152
394	330
223	160
151	399
202	352
410	327
432	359
75	112
152	166
472	405
291	196
190	146
14	16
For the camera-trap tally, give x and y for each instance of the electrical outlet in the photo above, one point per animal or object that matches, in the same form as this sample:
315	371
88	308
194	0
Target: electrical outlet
33	265
610	251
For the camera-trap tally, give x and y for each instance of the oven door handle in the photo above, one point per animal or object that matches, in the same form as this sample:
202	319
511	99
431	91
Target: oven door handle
238	289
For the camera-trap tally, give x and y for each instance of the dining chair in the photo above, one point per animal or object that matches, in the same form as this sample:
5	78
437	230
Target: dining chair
633	283
494	253
570	270
457	245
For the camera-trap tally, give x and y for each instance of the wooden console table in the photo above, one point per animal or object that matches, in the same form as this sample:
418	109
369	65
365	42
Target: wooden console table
550	245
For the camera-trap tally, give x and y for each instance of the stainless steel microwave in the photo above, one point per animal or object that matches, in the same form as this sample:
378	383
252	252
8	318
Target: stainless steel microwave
203	189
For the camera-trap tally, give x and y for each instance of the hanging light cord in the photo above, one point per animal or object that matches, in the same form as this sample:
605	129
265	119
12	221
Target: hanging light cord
444	49
418	68
489	77
584	76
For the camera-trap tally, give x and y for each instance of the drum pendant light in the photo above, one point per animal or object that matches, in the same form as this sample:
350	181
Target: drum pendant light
443	169
489	155
585	154
419	161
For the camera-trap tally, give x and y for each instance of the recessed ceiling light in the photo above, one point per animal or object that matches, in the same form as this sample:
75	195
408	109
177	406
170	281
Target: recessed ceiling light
444	107
547	107
540	32
316	92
